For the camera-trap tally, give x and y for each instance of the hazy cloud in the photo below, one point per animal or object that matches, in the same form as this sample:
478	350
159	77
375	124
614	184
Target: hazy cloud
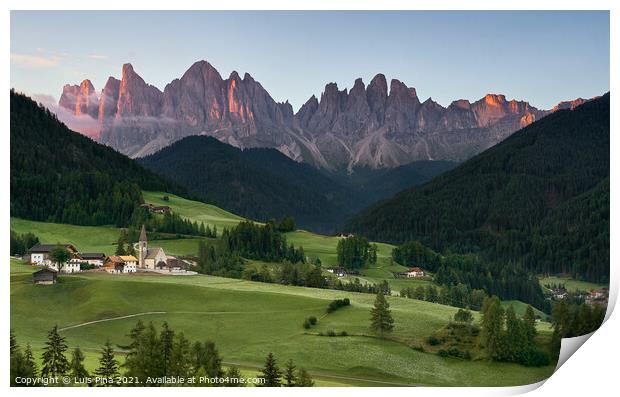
98	56
83	124
35	61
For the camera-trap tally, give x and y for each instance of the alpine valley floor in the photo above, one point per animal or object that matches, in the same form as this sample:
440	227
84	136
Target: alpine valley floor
246	320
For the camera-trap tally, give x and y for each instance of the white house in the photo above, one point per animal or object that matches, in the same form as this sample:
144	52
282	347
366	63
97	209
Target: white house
415	272
93	258
40	256
121	264
338	271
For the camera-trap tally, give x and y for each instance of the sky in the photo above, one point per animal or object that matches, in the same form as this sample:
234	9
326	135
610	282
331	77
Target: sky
542	57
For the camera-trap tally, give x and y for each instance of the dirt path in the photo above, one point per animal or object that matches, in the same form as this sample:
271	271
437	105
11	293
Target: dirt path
109	319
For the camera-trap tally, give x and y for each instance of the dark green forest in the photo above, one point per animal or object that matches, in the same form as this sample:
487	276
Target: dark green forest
263	183
539	199
259	184
58	175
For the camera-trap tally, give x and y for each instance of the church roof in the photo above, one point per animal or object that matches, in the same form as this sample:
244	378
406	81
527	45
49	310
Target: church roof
143	234
151	253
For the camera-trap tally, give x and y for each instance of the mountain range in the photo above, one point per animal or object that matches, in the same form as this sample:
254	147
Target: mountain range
366	127
540	198
263	183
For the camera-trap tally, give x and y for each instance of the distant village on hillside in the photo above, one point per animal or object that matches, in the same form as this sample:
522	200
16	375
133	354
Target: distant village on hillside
71	260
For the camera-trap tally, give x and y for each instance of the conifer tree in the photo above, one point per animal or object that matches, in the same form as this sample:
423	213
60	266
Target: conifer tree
234	377
180	361
289	374
54	361
529	324
30	367
381	316
304	379
270	373
492	326
108	366
166	338
77	369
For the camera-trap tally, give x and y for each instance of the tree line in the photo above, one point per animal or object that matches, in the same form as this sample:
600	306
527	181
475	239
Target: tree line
506	280
261	242
459	295
170	223
21	243
150	354
505	337
570	320
355	252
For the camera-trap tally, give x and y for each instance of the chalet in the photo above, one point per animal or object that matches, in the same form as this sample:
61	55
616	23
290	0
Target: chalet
44	276
120	264
598	297
559	293
414	272
39	253
338	271
157	209
93	258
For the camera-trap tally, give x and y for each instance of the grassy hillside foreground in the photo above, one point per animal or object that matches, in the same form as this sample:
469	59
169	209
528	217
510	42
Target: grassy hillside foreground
247	320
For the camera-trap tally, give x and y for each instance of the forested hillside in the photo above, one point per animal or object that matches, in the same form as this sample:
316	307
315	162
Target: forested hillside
539	198
256	183
58	175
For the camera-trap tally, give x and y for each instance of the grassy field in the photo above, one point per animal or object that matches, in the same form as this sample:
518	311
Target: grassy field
247	320
194	210
571	284
95	238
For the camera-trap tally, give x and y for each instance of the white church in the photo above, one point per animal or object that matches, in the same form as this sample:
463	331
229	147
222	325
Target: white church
155	258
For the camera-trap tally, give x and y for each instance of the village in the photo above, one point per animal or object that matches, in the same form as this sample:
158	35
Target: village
153	259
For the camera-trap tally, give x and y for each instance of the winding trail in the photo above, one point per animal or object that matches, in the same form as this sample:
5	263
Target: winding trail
109	319
240	364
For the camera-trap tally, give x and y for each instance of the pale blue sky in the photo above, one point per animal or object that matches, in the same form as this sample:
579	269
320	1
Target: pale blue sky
542	57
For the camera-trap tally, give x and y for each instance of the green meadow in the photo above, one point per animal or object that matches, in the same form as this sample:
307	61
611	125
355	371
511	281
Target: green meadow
570	283
247	320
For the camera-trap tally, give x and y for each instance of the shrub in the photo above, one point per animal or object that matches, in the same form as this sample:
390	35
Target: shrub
312	320
535	358
307	324
331	333
463	316
343	333
433	341
419	348
337	304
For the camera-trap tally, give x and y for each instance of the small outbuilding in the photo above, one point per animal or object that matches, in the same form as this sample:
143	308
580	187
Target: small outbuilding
45	276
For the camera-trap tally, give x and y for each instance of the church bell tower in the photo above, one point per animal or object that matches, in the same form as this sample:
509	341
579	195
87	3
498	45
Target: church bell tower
142	248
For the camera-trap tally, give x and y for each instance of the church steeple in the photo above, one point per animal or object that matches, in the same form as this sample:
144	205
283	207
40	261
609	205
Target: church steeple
142	248
143	234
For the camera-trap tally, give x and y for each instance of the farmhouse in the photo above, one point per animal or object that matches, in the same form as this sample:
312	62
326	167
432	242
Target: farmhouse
157	209
559	293
415	272
93	258
40	256
338	271
44	276
120	264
